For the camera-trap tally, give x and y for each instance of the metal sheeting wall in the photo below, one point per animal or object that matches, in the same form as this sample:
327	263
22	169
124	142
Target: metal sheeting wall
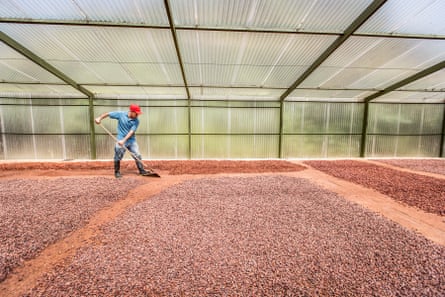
233	130
222	129
322	129
44	129
404	130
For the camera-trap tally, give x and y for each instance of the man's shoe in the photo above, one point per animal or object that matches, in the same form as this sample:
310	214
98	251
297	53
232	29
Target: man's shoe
117	175
144	172
149	173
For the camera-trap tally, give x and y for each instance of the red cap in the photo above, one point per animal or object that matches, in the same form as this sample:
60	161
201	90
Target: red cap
135	108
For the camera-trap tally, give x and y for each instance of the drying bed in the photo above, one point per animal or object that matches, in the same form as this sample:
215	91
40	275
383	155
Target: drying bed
269	235
426	165
38	212
170	167
420	191
273	231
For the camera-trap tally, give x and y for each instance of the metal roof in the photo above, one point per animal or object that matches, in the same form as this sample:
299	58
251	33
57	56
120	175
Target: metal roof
351	50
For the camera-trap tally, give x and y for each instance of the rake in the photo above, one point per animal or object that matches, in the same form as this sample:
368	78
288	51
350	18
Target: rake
151	172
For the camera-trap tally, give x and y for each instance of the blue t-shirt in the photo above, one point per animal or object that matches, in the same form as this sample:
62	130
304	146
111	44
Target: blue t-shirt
124	125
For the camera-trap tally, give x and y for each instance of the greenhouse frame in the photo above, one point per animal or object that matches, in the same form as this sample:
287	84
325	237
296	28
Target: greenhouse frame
224	79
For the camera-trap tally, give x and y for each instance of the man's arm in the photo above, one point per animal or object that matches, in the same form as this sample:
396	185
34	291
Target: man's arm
101	117
122	141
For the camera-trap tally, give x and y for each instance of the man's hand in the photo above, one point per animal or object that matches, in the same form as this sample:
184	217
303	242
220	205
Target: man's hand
121	142
98	120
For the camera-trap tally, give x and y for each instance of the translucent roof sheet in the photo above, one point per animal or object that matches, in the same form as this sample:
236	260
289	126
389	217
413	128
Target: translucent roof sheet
368	62
94	44
39	91
432	82
14	67
248	59
412	97
137	12
221	49
138	92
202	93
328	95
102	54
408	17
303	15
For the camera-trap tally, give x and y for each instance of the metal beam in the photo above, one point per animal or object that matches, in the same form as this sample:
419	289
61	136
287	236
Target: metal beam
401	36
407	80
175	40
147	26
90	23
181	65
364	130
442	136
42	63
54	22
362	18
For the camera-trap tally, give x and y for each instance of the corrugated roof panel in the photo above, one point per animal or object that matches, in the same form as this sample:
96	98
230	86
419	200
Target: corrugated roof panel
282	76
246	75
7	52
25	71
434	81
410	96
42	9
94	43
408	17
380	78
78	71
327	95
390	52
209	74
204	93
355	78
9	8
100	55
210	47
66	91
110	73
365	62
10	73
333	15
233	13
37	39
248	59
279	49
38	90
139	45
303	15
154	73
125	11
138	92
375	52
16	68
116	11
422	54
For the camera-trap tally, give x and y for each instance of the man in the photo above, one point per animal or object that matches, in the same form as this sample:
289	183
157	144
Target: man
127	124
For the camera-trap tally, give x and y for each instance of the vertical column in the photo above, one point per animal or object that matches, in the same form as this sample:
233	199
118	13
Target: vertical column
364	130
442	137
93	154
